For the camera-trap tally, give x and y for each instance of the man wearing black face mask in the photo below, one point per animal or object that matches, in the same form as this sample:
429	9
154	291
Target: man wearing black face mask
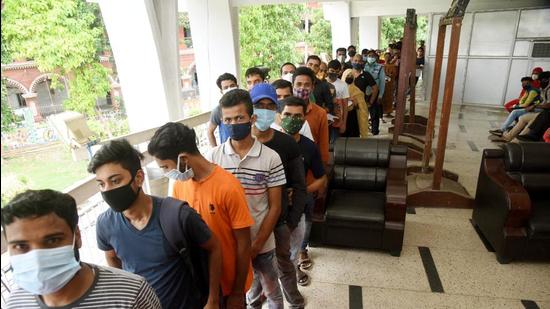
132	237
342	96
261	173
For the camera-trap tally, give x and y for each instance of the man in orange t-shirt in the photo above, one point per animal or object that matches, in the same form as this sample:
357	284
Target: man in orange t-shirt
217	196
316	116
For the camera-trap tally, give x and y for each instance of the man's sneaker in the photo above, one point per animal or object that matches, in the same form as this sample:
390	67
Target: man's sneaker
497	132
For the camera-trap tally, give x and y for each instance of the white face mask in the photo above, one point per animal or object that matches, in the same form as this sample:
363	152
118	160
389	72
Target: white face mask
535	76
341	58
228	89
176	174
287	77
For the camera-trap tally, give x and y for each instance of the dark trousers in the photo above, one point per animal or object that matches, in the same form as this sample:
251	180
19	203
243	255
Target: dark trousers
375	112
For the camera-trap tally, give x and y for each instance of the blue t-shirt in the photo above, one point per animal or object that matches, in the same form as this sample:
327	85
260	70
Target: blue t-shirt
312	157
216	118
147	252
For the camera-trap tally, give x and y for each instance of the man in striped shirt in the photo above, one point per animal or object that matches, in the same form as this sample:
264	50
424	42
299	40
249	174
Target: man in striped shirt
261	173
43	240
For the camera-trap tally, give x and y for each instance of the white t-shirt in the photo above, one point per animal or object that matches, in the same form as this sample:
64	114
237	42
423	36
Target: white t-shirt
342	91
258	171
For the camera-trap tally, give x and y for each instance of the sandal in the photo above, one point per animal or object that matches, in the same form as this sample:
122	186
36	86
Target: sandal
302	278
304	262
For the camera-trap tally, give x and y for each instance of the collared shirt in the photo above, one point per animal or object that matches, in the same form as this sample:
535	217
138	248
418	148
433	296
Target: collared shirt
377	72
260	169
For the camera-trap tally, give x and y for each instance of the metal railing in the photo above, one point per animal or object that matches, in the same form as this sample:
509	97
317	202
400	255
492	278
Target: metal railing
91	205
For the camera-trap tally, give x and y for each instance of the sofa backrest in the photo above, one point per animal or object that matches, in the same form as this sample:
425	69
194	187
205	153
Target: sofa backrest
361	164
529	163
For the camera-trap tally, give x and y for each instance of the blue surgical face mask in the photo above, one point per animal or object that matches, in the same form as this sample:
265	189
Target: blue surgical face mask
177	174
264	118
238	131
45	271
371	60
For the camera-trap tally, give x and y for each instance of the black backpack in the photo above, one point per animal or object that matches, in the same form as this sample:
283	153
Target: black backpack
194	257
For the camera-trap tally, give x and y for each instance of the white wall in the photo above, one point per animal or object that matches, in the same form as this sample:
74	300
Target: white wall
215	31
494	53
143	37
369	32
340	21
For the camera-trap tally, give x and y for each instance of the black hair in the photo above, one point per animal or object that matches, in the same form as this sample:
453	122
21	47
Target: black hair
38	203
281	84
334	64
255	71
117	151
526	79
421	48
293	101
352	46
286	63
364	51
172	139
236	97
314	57
225	76
304	71
372	51
544	75
341	49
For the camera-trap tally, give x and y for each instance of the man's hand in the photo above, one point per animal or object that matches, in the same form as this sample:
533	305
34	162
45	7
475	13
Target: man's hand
212	304
255	249
235	301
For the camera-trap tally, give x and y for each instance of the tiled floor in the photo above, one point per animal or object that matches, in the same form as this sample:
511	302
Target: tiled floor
469	274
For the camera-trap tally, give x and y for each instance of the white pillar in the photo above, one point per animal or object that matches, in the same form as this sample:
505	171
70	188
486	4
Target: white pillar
143	36
369	33
215	33
340	22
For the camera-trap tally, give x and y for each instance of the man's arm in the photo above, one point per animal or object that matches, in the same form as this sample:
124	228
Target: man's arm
381	82
268	224
528	98
318	185
214	270
296	180
112	259
323	140
374	95
211	138
242	236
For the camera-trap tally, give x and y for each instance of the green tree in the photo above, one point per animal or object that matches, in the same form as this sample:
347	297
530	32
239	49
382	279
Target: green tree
268	35
392	29
61	36
319	36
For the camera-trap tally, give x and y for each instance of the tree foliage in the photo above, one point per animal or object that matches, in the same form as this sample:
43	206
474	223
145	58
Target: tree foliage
268	35
62	36
8	117
392	29
319	36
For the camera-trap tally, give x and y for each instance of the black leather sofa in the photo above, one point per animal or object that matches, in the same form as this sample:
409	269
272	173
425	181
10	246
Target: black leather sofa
366	200
512	204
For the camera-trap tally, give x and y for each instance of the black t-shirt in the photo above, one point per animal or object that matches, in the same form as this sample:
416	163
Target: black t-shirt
291	156
322	94
312	157
364	80
420	61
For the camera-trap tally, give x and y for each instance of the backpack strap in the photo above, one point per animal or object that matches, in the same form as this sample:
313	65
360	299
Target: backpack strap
171	223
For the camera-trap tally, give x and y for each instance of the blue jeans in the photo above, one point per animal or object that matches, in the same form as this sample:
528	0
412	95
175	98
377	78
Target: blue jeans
514	116
266	281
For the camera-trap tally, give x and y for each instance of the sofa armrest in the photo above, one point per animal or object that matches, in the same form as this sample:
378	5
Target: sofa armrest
396	187
518	203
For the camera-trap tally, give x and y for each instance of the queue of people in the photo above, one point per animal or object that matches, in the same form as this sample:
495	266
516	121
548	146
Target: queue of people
233	232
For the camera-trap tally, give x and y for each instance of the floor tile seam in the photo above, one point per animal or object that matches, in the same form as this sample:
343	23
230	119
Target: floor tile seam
430	292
